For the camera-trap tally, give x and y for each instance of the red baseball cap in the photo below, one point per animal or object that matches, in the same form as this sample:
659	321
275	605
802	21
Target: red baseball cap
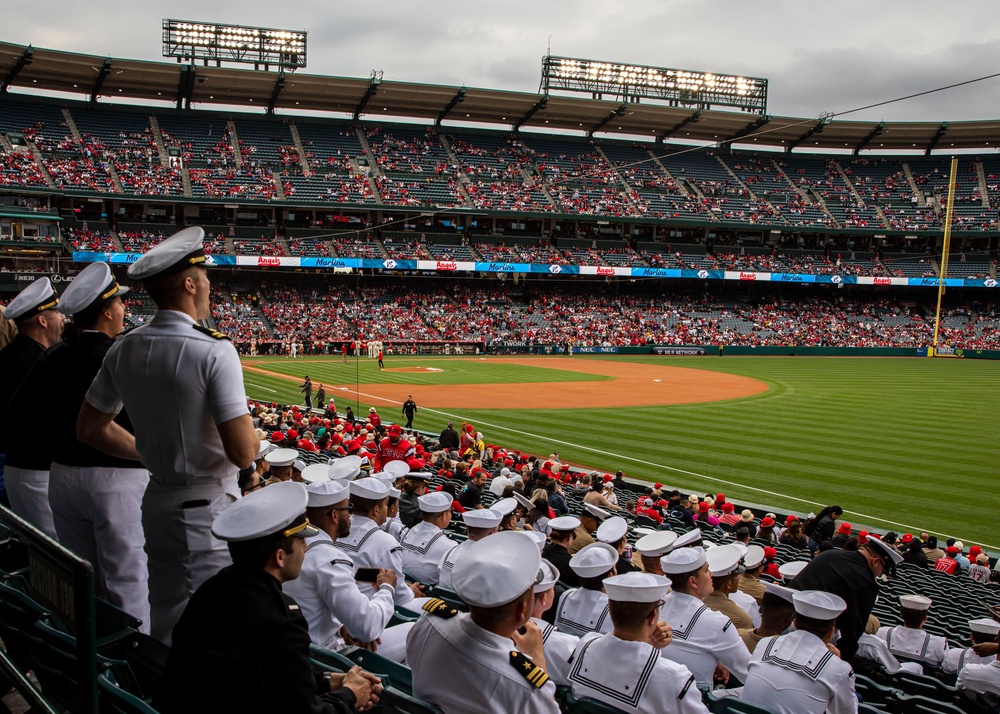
720	498
277	436
607	477
394	430
657	486
845	528
728	508
703	506
907	537
770	553
292	434
766	522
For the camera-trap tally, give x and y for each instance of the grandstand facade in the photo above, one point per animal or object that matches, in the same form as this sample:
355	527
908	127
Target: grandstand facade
360	192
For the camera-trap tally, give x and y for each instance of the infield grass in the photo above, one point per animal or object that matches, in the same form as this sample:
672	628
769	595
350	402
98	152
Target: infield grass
903	444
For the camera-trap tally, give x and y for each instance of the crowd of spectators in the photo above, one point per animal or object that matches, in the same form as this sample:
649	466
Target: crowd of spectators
89	240
18	168
564	314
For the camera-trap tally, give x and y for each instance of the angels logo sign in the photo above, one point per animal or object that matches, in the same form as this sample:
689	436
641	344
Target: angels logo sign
263	261
388	264
702	274
990	283
210	259
836	279
554	269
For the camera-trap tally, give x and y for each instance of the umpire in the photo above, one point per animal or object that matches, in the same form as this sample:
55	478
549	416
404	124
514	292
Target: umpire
409	410
182	385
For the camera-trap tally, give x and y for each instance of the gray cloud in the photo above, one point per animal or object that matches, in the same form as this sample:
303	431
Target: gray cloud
817	58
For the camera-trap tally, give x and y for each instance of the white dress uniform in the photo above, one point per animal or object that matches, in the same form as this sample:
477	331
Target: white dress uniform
910	645
394	527
747	603
581	611
981	678
797	674
424	547
632	677
28	493
702	639
329	596
487	675
956	659
448	564
875	649
177	382
371	547
559	648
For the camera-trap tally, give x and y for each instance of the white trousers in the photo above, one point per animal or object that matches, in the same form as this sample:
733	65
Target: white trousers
98	515
182	551
28	491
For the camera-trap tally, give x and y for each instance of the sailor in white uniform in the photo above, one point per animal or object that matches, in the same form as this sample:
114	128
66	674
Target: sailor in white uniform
426	544
704	641
983	630
371	547
326	590
182	385
559	646
479	661
909	642
393	471
479	524
753	556
653	546
874	648
624	668
585	609
801	672
980	678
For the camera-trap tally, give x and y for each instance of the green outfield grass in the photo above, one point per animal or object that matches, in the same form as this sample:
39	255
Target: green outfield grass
903	444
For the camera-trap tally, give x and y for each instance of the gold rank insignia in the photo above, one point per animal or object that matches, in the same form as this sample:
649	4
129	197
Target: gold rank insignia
211	333
529	670
437	606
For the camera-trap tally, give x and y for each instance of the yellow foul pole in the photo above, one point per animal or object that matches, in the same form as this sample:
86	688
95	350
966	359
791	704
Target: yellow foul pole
946	245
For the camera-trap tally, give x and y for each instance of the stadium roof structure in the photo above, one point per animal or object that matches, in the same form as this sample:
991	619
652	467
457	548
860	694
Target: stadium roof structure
93	76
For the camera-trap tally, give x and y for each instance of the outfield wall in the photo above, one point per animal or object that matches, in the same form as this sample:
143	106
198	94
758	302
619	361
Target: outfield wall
784	351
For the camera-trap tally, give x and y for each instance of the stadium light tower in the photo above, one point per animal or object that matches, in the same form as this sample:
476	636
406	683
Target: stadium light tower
631	83
263	47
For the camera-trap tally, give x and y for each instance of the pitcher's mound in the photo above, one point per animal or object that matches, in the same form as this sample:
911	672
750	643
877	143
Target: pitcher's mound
413	369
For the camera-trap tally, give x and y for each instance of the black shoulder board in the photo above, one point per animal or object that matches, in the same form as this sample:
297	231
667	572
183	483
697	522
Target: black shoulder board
686	688
436	606
529	670
211	333
729	623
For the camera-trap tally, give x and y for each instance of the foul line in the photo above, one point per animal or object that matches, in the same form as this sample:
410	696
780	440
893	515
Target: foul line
695	474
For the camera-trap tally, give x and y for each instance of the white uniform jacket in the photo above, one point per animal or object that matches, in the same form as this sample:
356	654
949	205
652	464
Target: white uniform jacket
329	596
797	674
703	638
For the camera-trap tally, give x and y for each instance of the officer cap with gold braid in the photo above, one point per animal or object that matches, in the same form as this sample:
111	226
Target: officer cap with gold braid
178	252
37	297
92	286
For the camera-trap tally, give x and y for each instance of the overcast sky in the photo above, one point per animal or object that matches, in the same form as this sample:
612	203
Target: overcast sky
818	56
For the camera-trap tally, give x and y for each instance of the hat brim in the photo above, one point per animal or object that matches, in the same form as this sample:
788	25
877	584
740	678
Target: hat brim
307	532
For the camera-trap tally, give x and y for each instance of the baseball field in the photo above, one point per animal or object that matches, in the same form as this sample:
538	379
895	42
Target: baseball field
905	444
